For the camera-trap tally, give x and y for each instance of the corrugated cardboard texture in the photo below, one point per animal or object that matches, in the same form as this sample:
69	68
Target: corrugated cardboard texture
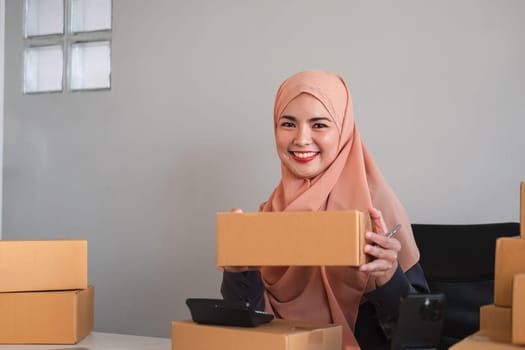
510	260
276	335
56	317
487	340
292	238
492	317
518	309
43	265
522	210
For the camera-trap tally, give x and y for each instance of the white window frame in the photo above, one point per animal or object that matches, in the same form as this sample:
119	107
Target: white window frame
66	40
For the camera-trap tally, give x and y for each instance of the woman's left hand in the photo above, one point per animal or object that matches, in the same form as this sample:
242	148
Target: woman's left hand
382	248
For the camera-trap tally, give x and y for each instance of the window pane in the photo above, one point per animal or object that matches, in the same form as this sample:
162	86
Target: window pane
44	17
90	65
43	67
90	15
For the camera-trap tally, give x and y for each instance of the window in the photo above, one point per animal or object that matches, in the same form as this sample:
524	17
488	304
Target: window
67	45
43	68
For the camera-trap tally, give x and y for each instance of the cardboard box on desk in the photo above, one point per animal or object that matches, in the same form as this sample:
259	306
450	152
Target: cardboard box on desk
510	260
518	309
507	319
54	317
292	238
487	340
276	335
43	265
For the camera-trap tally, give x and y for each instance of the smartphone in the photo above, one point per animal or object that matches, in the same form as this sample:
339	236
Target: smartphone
420	322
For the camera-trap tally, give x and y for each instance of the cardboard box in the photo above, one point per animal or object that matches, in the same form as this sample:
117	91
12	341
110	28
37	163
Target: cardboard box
518	309
487	340
292	238
522	210
492	317
55	317
510	260
43	265
276	335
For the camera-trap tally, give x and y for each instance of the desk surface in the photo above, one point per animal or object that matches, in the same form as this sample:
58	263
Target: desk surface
103	341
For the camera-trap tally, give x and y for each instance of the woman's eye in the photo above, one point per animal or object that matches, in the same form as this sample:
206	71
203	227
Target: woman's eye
287	125
319	126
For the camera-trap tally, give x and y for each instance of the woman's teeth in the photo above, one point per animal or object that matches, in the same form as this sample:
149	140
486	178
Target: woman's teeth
304	154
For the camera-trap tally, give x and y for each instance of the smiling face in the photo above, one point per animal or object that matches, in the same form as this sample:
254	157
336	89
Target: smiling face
306	136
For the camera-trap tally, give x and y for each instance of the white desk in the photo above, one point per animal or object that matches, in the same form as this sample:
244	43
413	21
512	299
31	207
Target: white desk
103	341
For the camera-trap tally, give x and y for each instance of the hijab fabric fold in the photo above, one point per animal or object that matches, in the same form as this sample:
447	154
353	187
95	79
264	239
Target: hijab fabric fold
353	181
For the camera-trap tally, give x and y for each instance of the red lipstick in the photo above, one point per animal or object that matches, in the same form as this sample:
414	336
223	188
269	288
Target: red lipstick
304	159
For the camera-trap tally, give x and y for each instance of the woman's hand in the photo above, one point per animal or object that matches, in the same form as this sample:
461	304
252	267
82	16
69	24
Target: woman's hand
382	248
239	268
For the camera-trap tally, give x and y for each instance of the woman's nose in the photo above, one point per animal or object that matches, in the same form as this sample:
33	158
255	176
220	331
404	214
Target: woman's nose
303	137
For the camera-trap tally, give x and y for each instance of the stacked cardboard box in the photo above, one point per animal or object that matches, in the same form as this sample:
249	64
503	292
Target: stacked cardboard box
44	295
502	325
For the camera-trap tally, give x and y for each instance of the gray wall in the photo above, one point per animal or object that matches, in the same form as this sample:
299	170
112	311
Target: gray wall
186	130
2	31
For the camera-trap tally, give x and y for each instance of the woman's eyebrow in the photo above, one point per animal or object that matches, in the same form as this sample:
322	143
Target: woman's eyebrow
316	119
313	119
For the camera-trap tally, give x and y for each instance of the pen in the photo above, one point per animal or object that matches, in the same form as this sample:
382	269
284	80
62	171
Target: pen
394	231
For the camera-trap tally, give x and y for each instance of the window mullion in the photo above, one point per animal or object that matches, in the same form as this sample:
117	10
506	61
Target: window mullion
66	43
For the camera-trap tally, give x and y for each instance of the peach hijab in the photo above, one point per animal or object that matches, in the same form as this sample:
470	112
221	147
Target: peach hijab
352	181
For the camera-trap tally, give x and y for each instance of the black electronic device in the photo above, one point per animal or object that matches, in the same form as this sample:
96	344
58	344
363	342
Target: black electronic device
226	313
420	322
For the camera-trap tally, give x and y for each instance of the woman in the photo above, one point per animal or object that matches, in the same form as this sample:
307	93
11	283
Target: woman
326	166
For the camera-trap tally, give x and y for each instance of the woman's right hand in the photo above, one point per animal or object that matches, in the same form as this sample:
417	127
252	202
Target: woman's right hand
239	268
